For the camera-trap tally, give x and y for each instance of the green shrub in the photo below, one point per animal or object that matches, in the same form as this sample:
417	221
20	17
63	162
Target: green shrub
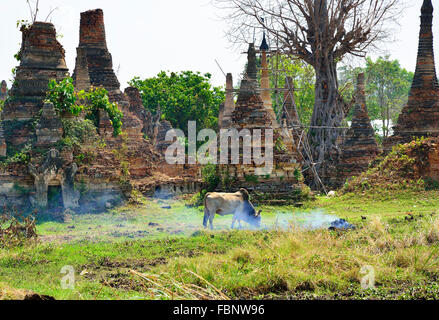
21	156
298	175
198	199
227	180
251	178
65	99
79	132
97	99
431	184
210	177
63	96
280	146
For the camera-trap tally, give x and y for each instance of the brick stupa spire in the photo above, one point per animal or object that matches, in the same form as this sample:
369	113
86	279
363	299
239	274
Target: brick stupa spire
94	67
359	148
42	58
251	114
420	117
228	107
93	49
265	76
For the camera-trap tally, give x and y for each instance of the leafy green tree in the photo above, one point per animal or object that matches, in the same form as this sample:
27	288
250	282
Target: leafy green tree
182	97
387	88
303	76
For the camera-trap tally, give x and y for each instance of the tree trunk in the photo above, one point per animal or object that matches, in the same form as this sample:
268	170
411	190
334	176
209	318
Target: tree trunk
327	116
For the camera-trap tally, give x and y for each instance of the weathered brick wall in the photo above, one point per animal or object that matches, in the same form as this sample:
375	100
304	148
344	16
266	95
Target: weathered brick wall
432	170
81	76
92	31
49	129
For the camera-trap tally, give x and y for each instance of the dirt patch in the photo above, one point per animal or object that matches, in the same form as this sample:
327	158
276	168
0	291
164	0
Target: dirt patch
38	297
275	290
400	290
122	281
8	293
109	264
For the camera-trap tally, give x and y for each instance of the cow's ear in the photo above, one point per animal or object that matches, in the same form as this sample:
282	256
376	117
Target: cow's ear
259	213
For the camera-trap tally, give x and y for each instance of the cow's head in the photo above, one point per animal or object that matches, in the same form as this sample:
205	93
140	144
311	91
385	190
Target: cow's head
252	217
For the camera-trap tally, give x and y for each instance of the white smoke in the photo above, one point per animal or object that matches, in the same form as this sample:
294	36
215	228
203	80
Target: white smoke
306	220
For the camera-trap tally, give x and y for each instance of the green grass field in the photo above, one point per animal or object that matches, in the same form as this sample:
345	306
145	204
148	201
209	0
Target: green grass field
151	251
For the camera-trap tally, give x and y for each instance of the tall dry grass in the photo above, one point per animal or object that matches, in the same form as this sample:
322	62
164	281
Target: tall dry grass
321	261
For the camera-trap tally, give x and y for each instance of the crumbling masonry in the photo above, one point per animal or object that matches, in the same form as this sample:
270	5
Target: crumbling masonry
251	113
359	147
135	156
420	117
41	59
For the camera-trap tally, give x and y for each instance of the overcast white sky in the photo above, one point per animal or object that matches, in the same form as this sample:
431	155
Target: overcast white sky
147	36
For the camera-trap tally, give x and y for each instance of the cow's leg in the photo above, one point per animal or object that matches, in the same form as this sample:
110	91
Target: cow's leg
235	218
206	216
211	221
240	225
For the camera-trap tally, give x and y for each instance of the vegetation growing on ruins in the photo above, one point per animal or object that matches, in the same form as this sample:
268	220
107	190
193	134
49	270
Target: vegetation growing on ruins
303	77
63	96
210	176
81	137
97	99
182	97
401	169
67	100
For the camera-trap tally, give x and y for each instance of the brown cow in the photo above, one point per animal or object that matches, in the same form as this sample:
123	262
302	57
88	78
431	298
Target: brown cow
236	204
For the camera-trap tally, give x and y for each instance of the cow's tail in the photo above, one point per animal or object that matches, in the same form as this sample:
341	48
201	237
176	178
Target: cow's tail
206	212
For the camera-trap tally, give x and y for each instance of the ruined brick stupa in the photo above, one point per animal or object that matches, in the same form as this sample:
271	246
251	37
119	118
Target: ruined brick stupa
28	121
420	117
145	132
94	64
282	181
225	115
94	67
41	59
359	147
107	172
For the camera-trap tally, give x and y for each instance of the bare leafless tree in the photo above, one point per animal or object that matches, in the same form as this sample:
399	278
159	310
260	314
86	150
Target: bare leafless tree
34	9
322	33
